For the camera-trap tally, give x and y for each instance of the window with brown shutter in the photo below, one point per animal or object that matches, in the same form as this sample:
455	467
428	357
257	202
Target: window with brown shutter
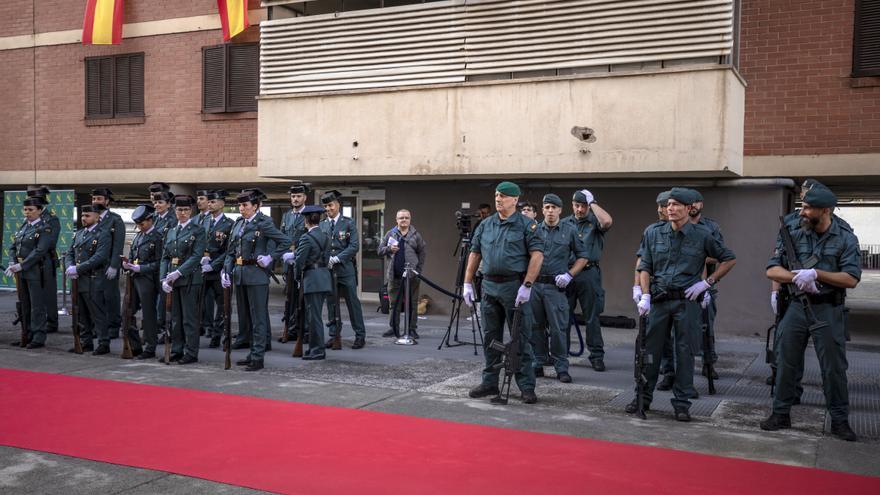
114	86
866	39
230	77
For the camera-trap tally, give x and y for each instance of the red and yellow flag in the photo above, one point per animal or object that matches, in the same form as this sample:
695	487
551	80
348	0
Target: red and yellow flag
102	24
233	16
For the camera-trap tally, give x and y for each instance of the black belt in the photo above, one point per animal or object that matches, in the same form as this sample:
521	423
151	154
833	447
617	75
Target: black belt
500	279
835	298
668	295
546	279
591	264
314	265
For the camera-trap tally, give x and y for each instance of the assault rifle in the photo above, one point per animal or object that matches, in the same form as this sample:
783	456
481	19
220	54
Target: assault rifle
74	316
511	357
707	352
227	327
288	304
20	317
642	358
169	320
337	317
795	264
127	311
301	317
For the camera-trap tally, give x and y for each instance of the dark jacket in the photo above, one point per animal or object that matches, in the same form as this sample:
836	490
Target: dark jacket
414	254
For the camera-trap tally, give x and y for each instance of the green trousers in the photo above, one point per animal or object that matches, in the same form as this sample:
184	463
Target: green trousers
496	308
681	321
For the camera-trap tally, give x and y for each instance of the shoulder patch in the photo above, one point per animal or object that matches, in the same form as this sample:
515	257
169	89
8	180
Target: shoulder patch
534	226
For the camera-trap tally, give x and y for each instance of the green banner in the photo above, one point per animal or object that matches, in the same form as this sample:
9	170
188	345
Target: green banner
61	203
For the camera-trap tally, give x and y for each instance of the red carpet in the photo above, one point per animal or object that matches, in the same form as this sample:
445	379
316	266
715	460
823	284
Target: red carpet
289	447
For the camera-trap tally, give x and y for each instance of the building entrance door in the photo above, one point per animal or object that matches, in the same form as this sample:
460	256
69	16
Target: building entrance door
367	208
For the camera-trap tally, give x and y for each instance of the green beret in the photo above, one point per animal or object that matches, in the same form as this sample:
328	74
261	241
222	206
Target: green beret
663	198
553	199
683	195
508	189
820	196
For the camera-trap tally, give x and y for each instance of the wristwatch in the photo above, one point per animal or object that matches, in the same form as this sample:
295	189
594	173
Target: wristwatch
527	285
711	281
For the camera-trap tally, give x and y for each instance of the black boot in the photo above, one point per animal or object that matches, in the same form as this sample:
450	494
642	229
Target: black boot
666	383
255	365
483	390
776	422
842	431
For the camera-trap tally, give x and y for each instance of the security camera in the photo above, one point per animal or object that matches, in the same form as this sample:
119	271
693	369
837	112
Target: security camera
584	134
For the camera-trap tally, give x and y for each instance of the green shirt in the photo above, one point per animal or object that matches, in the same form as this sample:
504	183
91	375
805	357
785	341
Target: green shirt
590	233
675	259
561	243
505	244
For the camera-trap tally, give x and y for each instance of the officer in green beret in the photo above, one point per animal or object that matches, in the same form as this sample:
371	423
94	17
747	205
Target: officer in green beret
293	226
255	244
591	222
667	367
144	257
511	252
311	273
113	226
181	276
51	286
670	276
344	245
87	260
830	257
29	258
549	303
217	230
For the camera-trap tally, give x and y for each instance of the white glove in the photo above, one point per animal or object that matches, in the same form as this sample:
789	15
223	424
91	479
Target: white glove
522	295
467	294
71	271
693	292
206	260
173	276
167	288
811	288
707	298
264	260
589	195
637	293
644	304
288	258
334	260
129	266
110	273
13	269
774	295
224	280
207	268
804	278
563	279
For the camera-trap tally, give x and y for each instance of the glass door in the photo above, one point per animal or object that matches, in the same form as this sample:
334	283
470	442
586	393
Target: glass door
367	208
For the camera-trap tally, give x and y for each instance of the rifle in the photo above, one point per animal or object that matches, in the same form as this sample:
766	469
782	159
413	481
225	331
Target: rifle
227	327
512	358
300	319
642	359
707	352
337	319
20	317
795	264
126	312
169	320
770	345
74	316
288	301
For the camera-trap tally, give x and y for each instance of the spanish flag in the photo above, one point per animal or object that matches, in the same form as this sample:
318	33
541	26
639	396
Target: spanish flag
233	16
102	24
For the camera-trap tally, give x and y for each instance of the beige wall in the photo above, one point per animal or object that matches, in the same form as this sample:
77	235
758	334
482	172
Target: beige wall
670	121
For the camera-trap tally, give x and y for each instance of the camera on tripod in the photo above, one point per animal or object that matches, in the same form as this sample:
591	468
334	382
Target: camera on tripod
463	221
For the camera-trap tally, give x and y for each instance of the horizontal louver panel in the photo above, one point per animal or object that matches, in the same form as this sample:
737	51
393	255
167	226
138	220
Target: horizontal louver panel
448	41
866	45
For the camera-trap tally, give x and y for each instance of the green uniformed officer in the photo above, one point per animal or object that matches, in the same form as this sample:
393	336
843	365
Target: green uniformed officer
217	229
511	252
344	245
592	222
549	303
206	319
254	245
670	276
87	260
30	257
51	286
202	206
710	296
164	220
113	225
181	276
293	226
144	257
830	257
310	270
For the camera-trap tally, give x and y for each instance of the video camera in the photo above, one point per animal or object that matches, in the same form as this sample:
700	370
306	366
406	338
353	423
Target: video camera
463	221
